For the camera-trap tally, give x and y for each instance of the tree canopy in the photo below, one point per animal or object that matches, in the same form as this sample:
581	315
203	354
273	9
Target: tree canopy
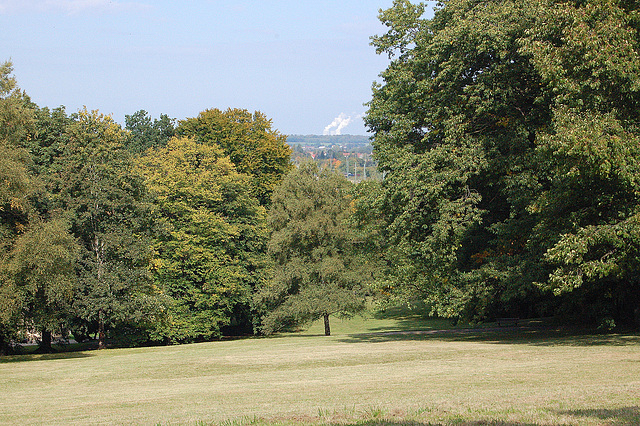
129	234
209	253
248	140
109	212
507	133
145	133
317	270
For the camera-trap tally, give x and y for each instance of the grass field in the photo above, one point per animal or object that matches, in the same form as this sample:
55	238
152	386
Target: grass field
364	373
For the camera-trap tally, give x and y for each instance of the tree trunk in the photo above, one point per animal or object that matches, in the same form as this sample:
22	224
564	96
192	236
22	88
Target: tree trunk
5	349
98	247
45	343
327	328
101	335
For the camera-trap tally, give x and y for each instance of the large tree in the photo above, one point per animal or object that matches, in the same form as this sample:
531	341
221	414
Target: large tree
16	177
37	254
505	130
106	204
248	140
17	186
41	270
588	55
318	269
209	256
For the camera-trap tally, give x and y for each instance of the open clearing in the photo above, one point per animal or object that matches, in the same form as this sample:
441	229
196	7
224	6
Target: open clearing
505	377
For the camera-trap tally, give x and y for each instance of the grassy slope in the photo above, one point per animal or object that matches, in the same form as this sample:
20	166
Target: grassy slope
503	377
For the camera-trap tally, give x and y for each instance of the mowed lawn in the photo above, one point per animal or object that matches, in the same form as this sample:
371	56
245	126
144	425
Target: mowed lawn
361	374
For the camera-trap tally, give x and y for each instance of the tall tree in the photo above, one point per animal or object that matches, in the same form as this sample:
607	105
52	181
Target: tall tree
37	254
588	56
317	270
455	123
17	185
249	141
107	207
16	122
209	257
496	124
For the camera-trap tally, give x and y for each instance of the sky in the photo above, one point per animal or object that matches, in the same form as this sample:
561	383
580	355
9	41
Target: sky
306	64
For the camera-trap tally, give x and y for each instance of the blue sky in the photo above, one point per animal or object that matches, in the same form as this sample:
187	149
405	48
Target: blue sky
307	65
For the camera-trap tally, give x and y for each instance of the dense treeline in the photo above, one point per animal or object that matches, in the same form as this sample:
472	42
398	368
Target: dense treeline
508	133
151	233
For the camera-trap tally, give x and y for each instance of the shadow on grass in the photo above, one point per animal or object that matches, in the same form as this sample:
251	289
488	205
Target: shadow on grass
618	416
526	335
410	317
407	324
43	357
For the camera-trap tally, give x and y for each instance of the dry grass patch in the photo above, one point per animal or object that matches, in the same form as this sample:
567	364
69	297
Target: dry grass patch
355	377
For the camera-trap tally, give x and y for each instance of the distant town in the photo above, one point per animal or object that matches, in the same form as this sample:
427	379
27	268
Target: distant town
350	155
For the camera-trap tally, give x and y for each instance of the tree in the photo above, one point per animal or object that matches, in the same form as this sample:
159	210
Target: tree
16	121
209	256
17	186
37	254
146	133
41	268
248	140
588	55
108	211
454	123
490	160
317	270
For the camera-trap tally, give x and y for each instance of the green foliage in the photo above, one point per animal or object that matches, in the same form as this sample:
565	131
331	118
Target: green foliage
145	133
317	270
17	186
16	180
70	192
15	109
453	124
248	140
589	158
48	139
208	259
205	246
508	134
41	268
106	205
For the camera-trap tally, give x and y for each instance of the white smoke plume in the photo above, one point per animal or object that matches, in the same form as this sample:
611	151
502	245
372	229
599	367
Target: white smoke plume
338	123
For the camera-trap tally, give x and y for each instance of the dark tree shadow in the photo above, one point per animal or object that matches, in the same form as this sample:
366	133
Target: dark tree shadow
43	357
525	335
616	416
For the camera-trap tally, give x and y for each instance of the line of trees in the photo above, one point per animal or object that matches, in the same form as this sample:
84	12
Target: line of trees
151	233
508	135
